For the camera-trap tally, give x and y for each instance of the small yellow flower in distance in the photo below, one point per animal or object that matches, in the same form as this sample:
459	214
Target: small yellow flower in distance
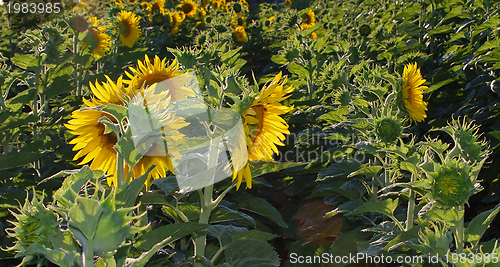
240	35
189	8
288	3
314	35
128	28
308	20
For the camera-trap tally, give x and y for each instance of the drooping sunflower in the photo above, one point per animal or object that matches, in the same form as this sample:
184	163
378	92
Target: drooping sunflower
263	126
149	73
128	28
97	41
189	7
412	93
96	144
240	34
91	139
308	20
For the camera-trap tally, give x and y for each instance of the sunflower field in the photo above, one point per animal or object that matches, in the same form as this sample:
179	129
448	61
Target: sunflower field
239	133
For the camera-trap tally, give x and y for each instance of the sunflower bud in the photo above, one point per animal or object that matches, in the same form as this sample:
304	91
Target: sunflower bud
452	183
208	19
388	129
364	30
267	23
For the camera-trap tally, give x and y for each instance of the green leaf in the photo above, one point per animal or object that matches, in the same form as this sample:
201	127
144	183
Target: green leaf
369	171
229	54
299	70
487	46
64	195
386	207
17	159
335	116
260	206
479	225
126	148
254	234
119	112
251	253
441	30
487	25
127	197
224	233
410	165
259	168
84	216
16	103
339	169
25	61
59	86
167	184
279	59
449	217
171	231
57	256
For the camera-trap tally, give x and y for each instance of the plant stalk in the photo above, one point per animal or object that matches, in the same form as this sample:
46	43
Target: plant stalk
459	231
411	206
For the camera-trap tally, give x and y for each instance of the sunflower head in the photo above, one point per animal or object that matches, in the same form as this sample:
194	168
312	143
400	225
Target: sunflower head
189	8
410	98
158	6
263	126
97	42
364	30
79	23
388	129
155	71
308	20
466	138
34	224
128	28
452	184
288	3
240	34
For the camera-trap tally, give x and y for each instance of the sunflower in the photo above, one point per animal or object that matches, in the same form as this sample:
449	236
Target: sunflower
264	128
308	20
313	35
158	6
240	35
288	3
150	73
91	139
96	39
412	93
128	28
189	8
96	144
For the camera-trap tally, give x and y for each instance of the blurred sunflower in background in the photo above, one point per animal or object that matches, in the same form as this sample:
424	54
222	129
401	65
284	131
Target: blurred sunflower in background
308	20
189	8
158	6
263	126
240	34
155	71
96	40
411	96
128	28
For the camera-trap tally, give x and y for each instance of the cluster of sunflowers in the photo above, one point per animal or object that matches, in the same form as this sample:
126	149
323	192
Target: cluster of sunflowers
263	126
125	25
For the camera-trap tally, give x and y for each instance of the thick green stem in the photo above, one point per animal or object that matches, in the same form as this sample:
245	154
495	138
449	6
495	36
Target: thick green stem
120	171
411	207
207	204
459	231
88	255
